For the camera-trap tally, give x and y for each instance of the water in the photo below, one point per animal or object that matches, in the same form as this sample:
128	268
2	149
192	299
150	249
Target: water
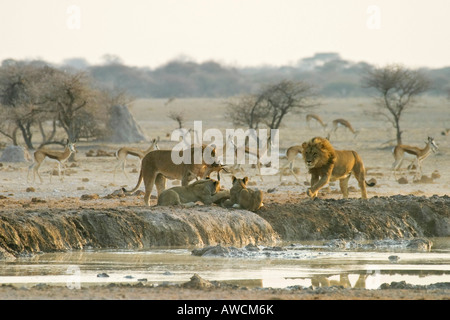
298	264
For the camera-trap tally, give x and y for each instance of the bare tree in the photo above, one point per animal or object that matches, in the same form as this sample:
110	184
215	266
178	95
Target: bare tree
396	88
21	103
73	98
177	116
280	99
272	104
245	111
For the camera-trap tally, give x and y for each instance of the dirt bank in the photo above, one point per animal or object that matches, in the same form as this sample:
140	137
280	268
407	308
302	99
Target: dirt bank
377	218
47	230
41	229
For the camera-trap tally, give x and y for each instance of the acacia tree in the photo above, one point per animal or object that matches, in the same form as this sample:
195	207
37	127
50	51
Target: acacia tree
21	102
35	96
280	99
271	104
245	111
396	89
72	98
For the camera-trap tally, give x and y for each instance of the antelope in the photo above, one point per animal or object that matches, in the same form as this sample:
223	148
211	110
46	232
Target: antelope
61	157
344	123
311	116
215	167
123	152
445	132
419	154
291	154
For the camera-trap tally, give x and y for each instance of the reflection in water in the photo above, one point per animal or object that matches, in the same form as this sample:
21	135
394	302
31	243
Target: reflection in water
302	265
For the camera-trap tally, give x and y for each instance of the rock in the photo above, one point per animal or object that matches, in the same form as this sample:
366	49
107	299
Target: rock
424	179
420	244
89	197
129	132
197	282
211	251
15	154
37	200
435	175
30	189
102	275
252	247
402	180
393	258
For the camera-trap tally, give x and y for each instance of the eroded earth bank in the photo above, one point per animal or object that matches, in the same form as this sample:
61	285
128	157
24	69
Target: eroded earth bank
42	229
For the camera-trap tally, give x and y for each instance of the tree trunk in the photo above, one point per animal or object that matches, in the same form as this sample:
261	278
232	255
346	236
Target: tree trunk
27	135
399	132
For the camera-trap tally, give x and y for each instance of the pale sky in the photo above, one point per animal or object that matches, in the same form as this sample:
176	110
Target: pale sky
150	33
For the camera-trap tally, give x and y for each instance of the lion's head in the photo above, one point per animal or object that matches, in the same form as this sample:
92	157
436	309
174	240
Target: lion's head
212	185
317	152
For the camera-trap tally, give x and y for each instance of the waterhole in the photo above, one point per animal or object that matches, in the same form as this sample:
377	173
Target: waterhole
302	264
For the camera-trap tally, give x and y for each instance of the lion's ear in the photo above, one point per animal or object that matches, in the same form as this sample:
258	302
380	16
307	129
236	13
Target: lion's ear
245	180
304	144
233	179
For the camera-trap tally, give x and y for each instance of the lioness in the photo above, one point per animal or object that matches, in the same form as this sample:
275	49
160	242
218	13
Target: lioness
157	166
327	164
243	197
206	191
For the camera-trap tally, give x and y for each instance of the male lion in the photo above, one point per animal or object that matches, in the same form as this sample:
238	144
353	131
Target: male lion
242	197
206	191
327	164
157	166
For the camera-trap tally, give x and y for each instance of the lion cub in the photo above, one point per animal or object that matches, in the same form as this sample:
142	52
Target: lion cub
206	191
242	197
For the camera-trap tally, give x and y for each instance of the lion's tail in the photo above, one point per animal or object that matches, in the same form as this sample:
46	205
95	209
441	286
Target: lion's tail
370	184
137	185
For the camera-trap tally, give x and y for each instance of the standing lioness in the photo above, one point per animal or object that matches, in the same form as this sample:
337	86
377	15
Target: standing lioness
327	164
157	166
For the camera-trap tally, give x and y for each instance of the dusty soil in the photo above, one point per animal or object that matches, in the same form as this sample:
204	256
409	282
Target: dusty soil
137	292
394	210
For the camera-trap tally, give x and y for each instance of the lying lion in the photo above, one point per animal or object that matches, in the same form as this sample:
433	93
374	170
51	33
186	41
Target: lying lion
243	197
206	190
327	164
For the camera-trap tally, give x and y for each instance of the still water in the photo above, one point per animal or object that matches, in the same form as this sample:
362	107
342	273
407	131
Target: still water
294	264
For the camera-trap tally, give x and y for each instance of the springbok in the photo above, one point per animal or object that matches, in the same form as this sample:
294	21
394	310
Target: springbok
291	154
419	154
123	152
342	123
60	156
313	116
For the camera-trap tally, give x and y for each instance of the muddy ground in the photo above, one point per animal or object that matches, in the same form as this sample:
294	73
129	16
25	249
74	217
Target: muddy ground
85	210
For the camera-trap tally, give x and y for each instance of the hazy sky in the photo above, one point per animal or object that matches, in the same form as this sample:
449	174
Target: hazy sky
235	32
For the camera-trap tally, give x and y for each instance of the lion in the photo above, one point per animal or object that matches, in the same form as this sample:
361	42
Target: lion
243	197
327	164
205	190
157	166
